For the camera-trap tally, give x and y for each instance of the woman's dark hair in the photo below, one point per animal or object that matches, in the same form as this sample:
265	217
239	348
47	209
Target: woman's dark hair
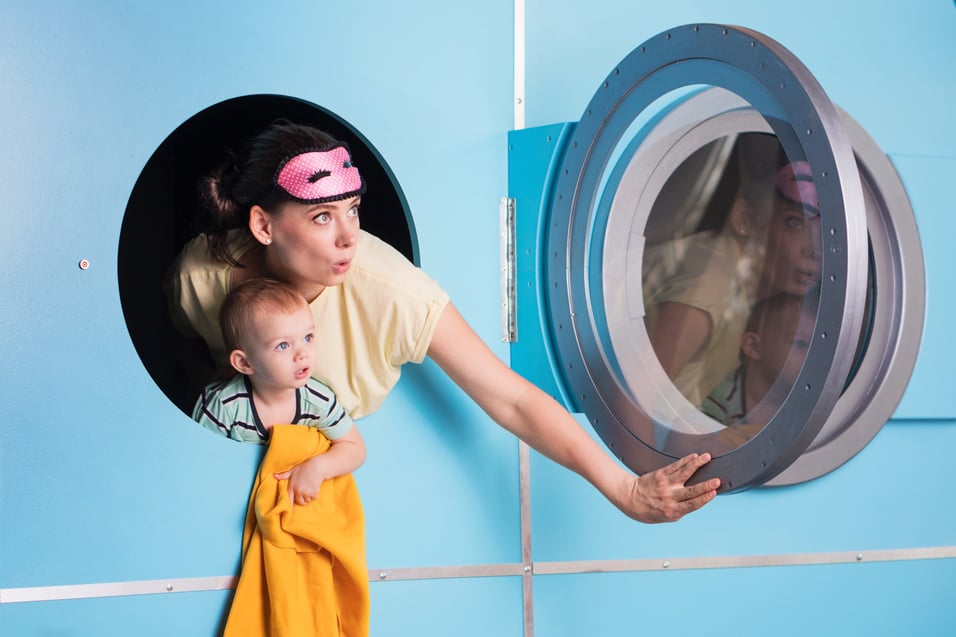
244	180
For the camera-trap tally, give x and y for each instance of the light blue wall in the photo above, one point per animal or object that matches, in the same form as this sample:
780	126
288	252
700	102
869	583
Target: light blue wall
103	480
891	67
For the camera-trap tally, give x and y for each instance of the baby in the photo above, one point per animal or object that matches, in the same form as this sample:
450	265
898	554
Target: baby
269	331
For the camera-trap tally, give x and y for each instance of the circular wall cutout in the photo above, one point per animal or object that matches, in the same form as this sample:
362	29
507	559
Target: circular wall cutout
159	217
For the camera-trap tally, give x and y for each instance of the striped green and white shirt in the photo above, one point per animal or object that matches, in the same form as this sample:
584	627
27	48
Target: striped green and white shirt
228	409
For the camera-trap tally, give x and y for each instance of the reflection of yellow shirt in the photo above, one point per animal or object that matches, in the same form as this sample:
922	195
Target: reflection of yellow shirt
382	316
706	271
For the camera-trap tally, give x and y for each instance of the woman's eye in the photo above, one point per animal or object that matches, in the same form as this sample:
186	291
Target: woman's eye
354	211
323	218
795	223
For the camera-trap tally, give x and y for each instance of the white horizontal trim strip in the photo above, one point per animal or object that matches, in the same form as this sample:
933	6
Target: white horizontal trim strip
195	584
116	589
742	561
152	587
444	572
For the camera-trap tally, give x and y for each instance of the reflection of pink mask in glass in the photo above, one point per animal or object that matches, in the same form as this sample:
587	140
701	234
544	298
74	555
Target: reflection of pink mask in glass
319	175
794	183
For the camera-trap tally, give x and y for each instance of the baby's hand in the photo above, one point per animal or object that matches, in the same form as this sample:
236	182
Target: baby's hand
305	481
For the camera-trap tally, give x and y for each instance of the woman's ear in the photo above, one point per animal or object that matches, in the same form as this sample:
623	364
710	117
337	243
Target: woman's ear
260	225
240	362
750	345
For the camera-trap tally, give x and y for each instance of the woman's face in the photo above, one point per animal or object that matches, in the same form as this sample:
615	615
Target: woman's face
792	263
311	246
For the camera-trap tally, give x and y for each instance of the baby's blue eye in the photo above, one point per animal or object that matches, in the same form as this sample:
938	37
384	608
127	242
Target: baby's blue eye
282	346
309	338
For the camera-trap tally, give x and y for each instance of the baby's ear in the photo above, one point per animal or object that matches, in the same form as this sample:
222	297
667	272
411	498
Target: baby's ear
750	345
240	362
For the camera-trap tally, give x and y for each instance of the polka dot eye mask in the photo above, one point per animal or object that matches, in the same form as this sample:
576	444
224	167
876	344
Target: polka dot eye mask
794	183
319	175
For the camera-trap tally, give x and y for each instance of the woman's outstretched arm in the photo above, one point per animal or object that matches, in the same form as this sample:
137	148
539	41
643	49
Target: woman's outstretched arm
536	418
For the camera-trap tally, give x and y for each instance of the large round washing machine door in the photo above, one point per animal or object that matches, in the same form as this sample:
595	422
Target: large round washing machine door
707	256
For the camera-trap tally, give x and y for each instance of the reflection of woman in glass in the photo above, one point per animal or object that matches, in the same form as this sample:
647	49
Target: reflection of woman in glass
699	289
376	310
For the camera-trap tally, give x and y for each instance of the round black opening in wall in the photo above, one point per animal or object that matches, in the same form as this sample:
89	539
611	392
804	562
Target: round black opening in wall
163	208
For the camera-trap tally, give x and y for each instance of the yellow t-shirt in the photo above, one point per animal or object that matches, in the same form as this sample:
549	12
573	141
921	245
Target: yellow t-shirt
380	317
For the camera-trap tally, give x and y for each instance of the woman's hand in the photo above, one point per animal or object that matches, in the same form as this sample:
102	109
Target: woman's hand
660	496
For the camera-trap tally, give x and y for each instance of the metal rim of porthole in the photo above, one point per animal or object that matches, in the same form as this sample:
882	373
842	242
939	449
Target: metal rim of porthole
894	326
772	81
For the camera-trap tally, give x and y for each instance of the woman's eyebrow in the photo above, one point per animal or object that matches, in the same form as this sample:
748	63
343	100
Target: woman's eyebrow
328	205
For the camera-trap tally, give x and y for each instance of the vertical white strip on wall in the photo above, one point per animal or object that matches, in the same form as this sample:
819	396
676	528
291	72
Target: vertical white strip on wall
519	64
524	464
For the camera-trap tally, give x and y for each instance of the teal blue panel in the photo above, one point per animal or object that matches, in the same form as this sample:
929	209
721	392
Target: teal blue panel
878	600
534	156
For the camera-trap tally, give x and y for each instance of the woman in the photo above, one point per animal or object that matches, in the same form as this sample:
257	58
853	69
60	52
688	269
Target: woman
287	207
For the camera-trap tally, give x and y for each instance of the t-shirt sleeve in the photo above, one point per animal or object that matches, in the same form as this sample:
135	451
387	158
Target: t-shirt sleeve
210	412
413	302
325	410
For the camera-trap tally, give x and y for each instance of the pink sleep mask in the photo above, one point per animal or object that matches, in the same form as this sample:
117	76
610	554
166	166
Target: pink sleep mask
794	183
319	175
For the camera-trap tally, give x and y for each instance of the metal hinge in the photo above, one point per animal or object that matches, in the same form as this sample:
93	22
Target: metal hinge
509	324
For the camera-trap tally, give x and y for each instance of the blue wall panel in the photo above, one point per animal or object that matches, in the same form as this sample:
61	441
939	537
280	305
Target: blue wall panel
928	181
101	478
890	66
881	600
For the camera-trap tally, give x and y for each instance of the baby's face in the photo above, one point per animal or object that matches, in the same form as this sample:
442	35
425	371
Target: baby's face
281	348
784	341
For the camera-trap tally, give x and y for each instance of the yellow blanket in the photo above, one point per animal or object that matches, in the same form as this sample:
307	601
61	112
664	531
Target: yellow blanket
303	568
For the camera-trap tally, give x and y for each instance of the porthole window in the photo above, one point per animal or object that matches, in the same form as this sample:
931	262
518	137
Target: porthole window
163	205
711	172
